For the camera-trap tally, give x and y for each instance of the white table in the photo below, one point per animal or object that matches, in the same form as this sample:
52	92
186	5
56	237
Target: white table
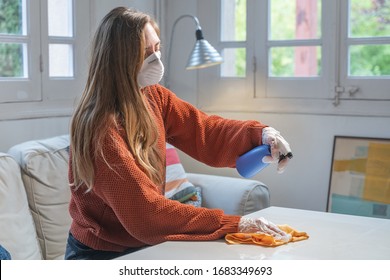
332	237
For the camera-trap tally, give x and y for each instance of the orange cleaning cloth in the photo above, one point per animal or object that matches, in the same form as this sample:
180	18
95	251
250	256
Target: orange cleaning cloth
265	239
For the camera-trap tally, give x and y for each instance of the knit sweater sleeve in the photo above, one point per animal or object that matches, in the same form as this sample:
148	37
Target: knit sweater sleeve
210	139
137	203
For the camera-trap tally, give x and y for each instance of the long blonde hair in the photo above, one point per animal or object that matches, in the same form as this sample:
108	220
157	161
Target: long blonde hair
112	94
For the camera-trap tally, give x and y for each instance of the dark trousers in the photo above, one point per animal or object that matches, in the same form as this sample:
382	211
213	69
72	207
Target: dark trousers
75	250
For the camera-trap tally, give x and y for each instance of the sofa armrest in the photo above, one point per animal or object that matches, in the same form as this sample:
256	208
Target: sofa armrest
235	196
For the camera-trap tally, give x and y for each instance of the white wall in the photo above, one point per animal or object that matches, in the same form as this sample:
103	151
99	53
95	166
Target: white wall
181	80
305	182
17	131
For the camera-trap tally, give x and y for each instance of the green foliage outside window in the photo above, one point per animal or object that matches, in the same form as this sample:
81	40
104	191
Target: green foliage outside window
241	35
11	60
10	17
369	18
11	54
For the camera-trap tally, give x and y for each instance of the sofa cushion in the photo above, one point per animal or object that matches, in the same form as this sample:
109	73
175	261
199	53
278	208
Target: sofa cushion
44	165
177	185
17	232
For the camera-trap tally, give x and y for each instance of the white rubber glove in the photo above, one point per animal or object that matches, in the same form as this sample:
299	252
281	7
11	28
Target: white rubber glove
261	225
280	149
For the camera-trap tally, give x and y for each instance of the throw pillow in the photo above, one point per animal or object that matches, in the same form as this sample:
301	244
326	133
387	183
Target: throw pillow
197	199
177	186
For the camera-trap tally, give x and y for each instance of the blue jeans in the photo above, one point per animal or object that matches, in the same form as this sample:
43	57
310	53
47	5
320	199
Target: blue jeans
4	254
75	250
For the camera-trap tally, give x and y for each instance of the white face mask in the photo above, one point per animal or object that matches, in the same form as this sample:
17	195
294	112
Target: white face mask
152	70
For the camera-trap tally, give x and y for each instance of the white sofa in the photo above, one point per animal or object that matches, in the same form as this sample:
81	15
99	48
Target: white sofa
34	197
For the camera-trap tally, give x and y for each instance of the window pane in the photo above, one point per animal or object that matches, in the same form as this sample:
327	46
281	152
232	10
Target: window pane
298	19
369	18
369	60
60	18
60	60
295	61
13	60
13	17
234	62
233	20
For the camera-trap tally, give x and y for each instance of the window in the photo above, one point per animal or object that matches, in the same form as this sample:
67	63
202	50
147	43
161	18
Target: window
305	56
14	50
295	49
368	35
365	49
43	50
233	37
60	38
17	44
294	38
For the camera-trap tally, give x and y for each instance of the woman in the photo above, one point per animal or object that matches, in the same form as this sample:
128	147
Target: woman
117	156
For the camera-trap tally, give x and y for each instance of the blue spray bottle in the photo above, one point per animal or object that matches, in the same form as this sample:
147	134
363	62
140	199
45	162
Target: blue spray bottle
251	162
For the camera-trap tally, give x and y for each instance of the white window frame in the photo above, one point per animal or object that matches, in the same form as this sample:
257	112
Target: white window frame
40	95
259	93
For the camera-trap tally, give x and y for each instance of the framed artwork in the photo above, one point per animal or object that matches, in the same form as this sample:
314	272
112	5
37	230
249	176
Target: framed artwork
360	177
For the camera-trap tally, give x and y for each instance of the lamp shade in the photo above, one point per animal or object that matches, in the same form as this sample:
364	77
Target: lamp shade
203	54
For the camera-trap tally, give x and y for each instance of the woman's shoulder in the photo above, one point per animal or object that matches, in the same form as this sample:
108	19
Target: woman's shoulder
160	97
159	92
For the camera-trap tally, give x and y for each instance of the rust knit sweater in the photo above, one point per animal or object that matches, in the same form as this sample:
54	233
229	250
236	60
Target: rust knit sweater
126	209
